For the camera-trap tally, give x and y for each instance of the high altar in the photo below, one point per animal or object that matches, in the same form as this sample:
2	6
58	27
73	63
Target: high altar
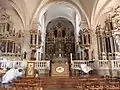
59	45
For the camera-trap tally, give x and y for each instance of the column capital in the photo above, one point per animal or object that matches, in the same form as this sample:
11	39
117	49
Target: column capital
84	24
36	25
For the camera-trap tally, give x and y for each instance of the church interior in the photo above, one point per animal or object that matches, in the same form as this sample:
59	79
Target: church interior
60	44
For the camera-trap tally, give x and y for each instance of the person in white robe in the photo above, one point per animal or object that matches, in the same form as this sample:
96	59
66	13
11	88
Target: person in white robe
85	68
11	74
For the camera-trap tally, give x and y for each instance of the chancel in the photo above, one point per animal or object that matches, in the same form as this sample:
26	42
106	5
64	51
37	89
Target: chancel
60	44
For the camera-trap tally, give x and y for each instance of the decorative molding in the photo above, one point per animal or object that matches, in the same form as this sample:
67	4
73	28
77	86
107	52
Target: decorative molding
3	15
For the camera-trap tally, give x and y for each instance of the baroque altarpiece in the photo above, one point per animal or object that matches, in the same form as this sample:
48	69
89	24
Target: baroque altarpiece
35	43
108	38
60	41
10	40
85	43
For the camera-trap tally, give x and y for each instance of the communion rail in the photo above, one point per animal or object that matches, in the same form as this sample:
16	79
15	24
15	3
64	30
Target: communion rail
103	67
39	65
100	65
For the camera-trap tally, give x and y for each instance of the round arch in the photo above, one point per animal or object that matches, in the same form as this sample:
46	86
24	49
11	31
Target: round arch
59	17
65	21
42	9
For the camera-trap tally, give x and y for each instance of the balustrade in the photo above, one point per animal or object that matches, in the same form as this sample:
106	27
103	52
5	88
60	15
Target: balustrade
102	64
23	64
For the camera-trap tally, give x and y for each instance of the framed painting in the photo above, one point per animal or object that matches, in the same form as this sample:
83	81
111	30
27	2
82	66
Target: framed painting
30	69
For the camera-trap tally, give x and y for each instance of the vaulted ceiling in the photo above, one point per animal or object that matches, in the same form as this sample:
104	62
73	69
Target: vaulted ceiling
27	11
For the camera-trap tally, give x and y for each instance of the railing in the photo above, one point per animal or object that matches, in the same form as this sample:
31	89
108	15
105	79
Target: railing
113	64
45	65
99	64
76	64
23	64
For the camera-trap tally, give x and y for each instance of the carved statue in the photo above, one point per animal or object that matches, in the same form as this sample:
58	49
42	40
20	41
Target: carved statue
117	24
0	53
25	54
118	41
92	54
59	33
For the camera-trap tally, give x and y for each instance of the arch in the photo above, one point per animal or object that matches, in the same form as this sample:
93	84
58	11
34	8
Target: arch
97	17
18	12
62	17
45	6
93	11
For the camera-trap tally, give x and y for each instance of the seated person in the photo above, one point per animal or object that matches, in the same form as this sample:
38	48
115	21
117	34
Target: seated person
11	74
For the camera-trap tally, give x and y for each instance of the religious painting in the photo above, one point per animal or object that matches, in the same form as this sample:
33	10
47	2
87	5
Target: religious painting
18	48
60	40
30	69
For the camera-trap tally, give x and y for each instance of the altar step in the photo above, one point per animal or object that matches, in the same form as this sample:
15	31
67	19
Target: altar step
66	83
59	82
